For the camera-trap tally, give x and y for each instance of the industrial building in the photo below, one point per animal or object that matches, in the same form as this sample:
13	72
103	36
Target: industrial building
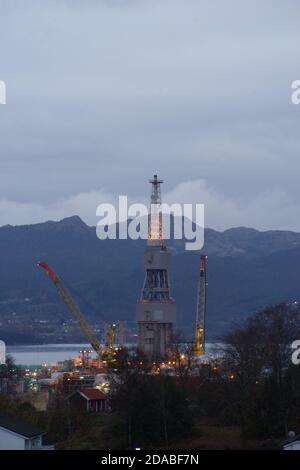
156	309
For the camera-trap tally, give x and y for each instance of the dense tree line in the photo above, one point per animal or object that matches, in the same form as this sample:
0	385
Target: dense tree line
252	384
264	389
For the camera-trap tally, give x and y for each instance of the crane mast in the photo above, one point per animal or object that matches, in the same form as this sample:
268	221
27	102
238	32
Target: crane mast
72	306
199	348
115	335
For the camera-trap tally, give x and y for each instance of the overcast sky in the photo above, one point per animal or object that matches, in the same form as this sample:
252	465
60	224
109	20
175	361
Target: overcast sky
102	94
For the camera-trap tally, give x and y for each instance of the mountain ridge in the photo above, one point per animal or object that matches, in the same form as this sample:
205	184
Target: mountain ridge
247	269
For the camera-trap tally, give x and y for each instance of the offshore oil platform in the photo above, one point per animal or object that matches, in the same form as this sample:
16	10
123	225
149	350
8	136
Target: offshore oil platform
155	309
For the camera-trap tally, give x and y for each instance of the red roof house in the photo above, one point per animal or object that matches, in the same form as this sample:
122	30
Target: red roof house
90	400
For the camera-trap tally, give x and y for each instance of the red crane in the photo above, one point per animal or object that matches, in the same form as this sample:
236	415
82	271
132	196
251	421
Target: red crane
72	306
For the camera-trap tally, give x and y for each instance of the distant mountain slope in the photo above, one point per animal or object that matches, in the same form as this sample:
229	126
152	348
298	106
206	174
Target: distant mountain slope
246	269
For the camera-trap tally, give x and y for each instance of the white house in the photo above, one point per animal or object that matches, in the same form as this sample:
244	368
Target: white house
292	444
18	435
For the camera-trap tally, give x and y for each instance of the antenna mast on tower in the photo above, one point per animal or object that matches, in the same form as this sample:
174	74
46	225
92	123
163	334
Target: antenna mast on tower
155	231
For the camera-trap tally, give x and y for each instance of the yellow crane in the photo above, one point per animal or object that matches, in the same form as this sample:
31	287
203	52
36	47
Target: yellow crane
199	347
115	334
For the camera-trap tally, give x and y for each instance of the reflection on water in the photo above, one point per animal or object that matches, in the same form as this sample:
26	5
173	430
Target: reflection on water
27	355
45	353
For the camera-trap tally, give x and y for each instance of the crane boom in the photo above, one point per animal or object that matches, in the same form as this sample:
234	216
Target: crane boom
72	306
199	349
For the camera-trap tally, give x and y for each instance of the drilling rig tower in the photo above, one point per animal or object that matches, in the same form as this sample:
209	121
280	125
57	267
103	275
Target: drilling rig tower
156	310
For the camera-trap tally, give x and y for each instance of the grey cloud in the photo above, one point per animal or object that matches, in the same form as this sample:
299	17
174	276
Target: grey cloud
100	95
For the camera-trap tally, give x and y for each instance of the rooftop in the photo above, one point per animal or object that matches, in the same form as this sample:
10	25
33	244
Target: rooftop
91	394
18	426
